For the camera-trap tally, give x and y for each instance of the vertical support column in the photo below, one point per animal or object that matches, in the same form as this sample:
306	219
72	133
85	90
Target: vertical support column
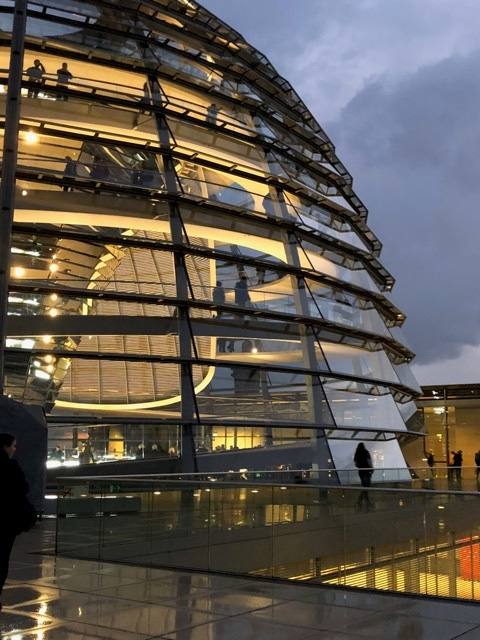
9	164
447	427
320	450
189	460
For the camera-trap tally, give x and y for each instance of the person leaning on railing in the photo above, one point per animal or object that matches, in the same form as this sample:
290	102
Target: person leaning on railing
35	75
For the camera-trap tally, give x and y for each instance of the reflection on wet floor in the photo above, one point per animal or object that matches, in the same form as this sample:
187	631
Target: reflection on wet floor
50	598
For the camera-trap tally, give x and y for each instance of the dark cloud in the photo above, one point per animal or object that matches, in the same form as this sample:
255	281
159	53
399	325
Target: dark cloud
414	148
398	82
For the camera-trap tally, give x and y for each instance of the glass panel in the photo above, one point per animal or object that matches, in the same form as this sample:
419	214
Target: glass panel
359	362
427	544
261	394
357	405
330	263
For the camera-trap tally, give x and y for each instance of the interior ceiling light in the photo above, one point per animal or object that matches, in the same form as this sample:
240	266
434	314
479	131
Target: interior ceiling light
18	272
53	267
54	296
53	313
46	339
31	137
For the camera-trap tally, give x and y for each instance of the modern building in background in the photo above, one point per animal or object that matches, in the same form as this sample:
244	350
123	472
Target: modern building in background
193	276
451	416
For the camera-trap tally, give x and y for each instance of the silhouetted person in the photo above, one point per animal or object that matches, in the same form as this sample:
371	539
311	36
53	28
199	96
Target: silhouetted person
99	170
242	297
63	78
477	462
86	454
268	206
363	462
457	463
13	501
70	170
218	295
57	454
140	453
212	113
431	460
154	451
247	346
35	75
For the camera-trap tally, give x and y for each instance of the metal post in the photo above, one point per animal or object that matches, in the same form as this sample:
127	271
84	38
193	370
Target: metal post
447	426
189	458
9	164
321	455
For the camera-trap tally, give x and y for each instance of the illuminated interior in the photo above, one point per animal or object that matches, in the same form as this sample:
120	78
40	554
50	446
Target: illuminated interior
191	267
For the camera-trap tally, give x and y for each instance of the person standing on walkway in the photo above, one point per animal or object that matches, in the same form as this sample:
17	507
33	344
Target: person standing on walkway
70	170
363	462
35	75
477	463
431	461
218	296
242	297
63	78
457	463
13	502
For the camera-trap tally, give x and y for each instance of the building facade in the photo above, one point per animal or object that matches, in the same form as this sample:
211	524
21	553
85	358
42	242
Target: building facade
192	273
451	416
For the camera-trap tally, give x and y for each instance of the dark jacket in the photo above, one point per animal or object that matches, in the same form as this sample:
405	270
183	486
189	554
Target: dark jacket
242	297
363	459
13	493
457	459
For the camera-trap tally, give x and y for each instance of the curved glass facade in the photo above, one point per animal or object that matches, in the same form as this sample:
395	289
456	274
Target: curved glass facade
191	267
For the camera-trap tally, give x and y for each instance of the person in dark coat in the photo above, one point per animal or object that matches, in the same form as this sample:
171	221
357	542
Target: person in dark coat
99	170
363	462
477	463
431	461
13	497
70	170
457	463
218	296
242	297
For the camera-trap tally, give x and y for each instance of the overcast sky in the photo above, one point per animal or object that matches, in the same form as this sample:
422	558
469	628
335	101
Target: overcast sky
395	84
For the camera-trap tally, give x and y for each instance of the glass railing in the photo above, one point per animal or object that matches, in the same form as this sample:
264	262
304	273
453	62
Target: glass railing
403	540
223	115
85	174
